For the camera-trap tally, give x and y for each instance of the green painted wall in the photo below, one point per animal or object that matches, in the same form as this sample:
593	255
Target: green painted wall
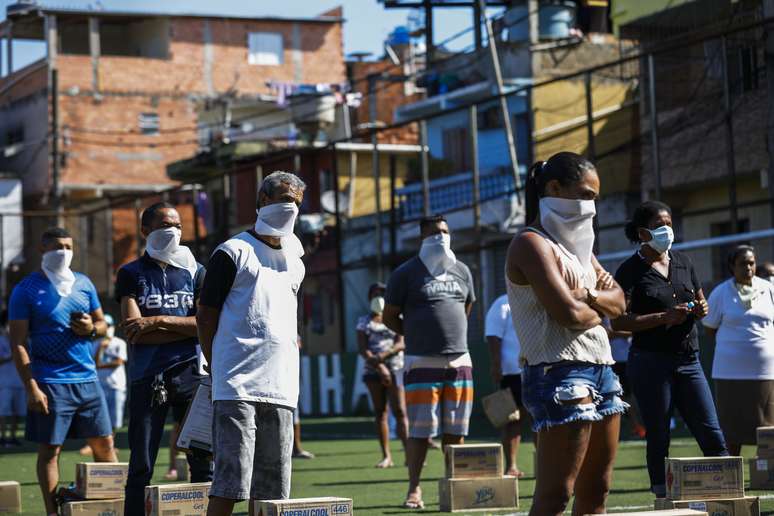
625	11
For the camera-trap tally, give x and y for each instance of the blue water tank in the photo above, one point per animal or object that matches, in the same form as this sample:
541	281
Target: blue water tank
555	19
399	36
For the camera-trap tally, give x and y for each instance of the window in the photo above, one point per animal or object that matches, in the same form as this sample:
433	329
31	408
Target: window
456	148
264	48
15	136
720	253
149	123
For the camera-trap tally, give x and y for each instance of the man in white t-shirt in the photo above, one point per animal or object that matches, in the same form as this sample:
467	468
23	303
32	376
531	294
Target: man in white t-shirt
13	399
504	350
110	355
247	323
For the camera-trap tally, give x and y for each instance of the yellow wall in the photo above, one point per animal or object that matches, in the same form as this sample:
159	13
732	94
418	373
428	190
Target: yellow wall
364	198
561	101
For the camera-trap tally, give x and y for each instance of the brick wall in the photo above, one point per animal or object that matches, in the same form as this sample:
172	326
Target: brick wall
389	96
320	59
104	145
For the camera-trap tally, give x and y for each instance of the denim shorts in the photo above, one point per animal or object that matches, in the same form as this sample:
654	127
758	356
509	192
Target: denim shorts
75	410
547	387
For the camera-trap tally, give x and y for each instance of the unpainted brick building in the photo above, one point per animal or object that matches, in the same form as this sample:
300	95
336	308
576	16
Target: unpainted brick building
119	93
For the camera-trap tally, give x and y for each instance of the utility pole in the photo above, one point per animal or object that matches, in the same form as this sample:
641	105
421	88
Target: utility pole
55	193
655	155
372	78
768	12
503	103
429	45
729	122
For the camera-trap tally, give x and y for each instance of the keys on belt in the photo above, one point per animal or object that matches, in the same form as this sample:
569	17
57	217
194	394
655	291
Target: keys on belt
160	394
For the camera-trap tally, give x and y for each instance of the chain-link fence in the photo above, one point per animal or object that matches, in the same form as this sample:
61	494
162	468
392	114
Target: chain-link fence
681	117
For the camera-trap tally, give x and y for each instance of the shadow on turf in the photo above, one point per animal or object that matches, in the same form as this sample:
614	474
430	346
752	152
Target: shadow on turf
632	467
348	468
360	482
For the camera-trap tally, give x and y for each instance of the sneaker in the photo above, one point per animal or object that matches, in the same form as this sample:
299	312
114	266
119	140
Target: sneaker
303	454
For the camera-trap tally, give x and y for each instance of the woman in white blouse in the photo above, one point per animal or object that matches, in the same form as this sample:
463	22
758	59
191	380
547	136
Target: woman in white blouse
741	319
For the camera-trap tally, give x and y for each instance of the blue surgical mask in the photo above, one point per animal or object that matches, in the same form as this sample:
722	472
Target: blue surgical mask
661	239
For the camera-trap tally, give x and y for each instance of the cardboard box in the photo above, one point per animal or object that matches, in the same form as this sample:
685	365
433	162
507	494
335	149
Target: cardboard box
327	506
704	478
178	499
747	506
672	512
761	473
474	460
478	494
196	430
10	497
94	508
765	440
500	408
100	480
183	472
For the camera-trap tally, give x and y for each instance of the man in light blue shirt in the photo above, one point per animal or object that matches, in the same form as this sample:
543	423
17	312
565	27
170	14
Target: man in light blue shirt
54	314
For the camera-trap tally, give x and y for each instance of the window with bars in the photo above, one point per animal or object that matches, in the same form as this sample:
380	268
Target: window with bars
264	48
148	123
456	148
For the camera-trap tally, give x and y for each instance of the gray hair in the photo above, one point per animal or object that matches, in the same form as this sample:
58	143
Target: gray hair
272	182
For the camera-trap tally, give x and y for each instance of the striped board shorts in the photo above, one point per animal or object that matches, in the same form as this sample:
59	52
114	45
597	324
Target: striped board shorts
439	394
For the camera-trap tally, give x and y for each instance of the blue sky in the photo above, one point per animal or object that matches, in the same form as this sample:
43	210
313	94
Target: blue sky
368	23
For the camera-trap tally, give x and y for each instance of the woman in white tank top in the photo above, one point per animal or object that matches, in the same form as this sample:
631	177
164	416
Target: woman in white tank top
559	294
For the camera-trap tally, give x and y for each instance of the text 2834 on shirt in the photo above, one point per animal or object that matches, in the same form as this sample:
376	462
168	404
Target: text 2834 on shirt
158	291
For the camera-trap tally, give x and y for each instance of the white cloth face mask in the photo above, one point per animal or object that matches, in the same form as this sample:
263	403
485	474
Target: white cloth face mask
436	253
164	245
56	267
377	305
571	223
164	241
276	220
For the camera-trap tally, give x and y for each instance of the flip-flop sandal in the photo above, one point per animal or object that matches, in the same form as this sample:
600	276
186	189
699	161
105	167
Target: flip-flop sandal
415	504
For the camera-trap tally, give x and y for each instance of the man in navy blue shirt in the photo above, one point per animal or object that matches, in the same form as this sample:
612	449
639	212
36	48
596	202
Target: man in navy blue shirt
54	315
158	295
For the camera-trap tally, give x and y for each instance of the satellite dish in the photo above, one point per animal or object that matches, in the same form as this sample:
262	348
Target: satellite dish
328	202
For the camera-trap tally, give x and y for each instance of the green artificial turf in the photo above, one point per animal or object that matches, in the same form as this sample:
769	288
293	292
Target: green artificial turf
344	467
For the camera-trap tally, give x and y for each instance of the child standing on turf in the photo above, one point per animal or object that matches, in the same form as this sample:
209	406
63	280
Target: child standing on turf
13	401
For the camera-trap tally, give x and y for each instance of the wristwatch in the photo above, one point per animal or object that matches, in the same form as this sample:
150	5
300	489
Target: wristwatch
591	296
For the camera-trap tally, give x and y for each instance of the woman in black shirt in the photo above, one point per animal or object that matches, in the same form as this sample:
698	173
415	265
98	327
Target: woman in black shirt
664	300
